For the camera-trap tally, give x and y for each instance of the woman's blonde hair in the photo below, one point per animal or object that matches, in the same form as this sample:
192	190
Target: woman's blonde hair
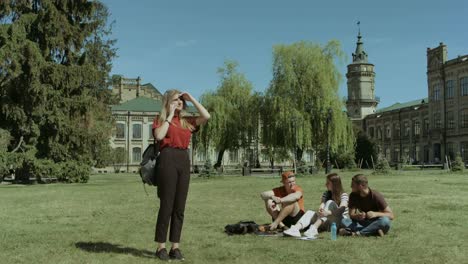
166	102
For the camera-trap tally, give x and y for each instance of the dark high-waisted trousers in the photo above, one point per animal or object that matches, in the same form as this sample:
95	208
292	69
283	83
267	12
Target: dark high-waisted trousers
173	184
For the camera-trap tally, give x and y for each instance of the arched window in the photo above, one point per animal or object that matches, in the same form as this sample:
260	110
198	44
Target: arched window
136	154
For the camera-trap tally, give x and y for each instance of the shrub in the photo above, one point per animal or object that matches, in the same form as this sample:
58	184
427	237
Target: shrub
346	160
74	172
207	169
382	166
119	157
4	170
44	168
22	164
458	165
302	168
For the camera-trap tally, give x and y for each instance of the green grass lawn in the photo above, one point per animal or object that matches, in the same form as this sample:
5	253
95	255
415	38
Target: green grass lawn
111	220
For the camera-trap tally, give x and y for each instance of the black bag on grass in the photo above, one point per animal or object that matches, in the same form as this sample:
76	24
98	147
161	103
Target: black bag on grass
243	227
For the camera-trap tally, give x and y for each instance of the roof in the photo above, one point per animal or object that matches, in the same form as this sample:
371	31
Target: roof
144	104
397	106
151	86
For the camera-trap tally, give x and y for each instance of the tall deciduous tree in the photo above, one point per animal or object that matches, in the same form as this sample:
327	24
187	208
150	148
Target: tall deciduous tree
303	89
55	59
230	126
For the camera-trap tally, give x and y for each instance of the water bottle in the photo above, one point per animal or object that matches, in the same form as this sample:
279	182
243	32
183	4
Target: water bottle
333	231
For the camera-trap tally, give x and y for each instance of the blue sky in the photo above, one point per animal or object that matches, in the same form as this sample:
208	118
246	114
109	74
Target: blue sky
180	44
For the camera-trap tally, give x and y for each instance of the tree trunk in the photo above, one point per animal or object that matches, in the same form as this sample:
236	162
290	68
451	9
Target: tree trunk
220	159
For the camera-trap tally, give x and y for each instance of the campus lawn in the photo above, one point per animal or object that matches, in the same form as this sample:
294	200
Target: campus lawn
111	220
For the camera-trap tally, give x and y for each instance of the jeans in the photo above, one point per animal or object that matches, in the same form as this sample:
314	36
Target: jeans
368	227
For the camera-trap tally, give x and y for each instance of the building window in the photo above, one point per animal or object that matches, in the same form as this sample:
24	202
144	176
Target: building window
449	89
371	132
416	128
464	118
387	154
136	154
120	130
136	131
407	129
426	126
201	156
396	155
451	150
416	153
388	132
450	120
437	121
406	155
150	131
397	131
464	86
379	133
234	156
436	92
464	150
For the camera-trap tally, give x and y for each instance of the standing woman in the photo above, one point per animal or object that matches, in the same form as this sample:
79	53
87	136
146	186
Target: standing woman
173	129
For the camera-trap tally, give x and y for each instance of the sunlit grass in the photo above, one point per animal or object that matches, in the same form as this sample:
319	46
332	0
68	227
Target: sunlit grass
111	220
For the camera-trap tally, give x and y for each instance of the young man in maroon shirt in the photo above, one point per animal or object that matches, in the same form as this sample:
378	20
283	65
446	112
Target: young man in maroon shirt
369	212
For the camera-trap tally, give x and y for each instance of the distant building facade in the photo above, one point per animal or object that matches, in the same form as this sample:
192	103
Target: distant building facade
134	115
427	130
139	105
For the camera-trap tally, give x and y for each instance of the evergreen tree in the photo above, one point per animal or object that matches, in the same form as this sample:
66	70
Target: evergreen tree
366	150
55	59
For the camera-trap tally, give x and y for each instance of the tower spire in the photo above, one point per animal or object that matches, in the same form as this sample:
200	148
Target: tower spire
360	56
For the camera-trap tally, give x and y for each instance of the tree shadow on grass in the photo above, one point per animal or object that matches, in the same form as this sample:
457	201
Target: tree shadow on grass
104	247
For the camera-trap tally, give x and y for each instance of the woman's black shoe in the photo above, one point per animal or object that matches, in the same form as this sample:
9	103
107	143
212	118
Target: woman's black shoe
162	254
176	254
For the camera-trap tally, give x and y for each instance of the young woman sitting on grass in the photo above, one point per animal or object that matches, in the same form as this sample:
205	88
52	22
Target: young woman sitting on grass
333	208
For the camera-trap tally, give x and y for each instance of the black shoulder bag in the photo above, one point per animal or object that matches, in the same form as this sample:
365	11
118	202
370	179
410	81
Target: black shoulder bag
149	165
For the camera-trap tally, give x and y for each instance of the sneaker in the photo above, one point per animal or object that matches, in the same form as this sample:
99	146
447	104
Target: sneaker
162	254
380	233
292	231
176	254
345	232
311	232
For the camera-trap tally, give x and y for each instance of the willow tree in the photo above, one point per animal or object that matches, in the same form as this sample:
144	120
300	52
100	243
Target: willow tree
303	91
55	59
230	126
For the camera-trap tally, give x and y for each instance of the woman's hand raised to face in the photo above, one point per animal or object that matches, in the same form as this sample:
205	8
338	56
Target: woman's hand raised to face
186	97
172	108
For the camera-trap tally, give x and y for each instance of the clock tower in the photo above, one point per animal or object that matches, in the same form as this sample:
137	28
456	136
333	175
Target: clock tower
361	85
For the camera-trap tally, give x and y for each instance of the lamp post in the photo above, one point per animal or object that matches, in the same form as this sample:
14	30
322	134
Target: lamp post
329	117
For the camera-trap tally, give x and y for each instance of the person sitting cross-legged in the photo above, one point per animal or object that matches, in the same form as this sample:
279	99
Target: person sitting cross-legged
369	213
333	208
285	204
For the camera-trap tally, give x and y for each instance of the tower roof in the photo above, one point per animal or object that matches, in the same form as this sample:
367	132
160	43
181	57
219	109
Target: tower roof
359	56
